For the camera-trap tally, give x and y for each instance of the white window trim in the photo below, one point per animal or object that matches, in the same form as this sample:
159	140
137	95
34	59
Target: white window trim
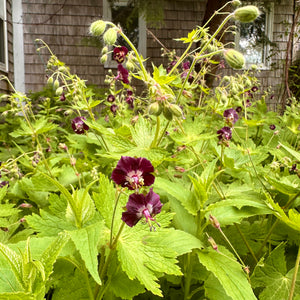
142	45
4	66
266	65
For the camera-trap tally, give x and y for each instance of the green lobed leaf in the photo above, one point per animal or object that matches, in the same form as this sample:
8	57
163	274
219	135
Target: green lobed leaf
144	259
7	210
142	133
228	272
86	241
273	277
17	296
14	261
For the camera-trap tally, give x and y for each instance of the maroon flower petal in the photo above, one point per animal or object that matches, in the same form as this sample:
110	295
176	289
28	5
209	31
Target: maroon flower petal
78	125
120	54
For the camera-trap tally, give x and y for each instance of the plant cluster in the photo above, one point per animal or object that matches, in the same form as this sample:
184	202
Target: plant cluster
179	191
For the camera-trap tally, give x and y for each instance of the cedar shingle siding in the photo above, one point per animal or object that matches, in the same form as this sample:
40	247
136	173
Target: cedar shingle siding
64	24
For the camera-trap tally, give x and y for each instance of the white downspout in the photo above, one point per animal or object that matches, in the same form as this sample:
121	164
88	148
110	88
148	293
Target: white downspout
18	46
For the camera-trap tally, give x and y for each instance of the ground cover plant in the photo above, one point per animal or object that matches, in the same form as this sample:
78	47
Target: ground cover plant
180	191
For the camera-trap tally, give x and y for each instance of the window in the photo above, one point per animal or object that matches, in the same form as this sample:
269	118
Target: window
253	39
133	25
3	37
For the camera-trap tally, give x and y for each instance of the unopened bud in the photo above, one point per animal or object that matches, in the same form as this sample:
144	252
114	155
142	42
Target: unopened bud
130	66
104	50
72	161
97	28
56	84
25	205
214	222
235	59
180	169
246	14
50	81
168	113
236	3
213	243
176	110
103	58
110	36
155	109
59	91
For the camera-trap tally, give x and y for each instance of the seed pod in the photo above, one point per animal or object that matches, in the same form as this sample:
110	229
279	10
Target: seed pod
50	81
110	36
97	28
104	50
167	113
176	110
56	84
155	109
235	59
103	58
246	14
59	91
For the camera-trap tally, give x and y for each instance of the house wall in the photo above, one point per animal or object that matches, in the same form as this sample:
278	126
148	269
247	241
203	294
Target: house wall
63	25
4	86
272	78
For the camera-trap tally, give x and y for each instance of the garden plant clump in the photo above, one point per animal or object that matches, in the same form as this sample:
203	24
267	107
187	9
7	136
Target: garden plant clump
180	191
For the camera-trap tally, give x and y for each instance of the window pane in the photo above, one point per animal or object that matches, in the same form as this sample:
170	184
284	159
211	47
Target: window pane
252	40
2	42
128	19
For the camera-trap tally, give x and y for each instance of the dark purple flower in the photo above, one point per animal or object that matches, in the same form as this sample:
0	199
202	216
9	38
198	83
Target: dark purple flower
129	101
249	94
110	98
254	89
114	108
238	109
224	134
231	116
133	173
122	74
186	65
79	126
120	54
139	206
62	97
248	103
4	183
171	65
272	127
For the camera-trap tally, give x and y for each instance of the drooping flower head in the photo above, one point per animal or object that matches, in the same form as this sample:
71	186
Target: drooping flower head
224	134
133	173
110	98
139	206
231	116
79	126
120	54
122	74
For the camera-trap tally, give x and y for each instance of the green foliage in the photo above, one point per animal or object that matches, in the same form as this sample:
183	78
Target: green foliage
226	172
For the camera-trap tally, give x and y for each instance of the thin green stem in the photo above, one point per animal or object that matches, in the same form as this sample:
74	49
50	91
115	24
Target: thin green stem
246	242
153	144
118	193
295	275
163	133
188	277
86	278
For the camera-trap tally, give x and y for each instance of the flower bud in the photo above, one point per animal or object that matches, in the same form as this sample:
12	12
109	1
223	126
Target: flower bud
236	3
110	36
104	50
246	14
103	58
56	84
129	66
97	28
155	109
167	112
50	81
176	110
213	243
59	91
235	59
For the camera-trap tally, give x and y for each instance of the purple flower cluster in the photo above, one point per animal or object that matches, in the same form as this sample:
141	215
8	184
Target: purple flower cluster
135	173
119	56
225	134
78	125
